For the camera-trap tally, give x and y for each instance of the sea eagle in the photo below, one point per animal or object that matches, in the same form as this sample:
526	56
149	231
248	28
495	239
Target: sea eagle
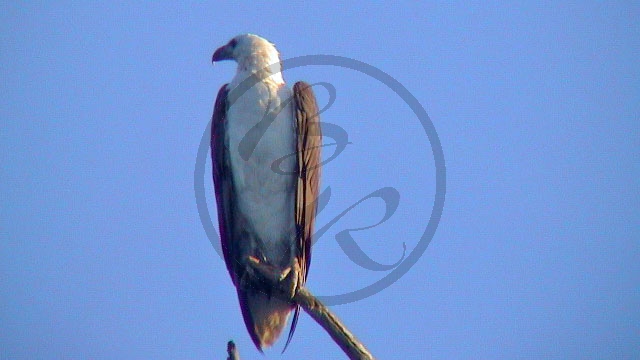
265	149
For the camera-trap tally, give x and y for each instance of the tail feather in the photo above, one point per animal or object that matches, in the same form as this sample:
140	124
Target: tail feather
265	317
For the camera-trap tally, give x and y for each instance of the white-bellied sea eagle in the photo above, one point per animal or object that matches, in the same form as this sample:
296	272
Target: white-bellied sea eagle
265	149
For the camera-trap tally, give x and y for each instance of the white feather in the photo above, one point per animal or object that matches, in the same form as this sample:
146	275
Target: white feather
265	196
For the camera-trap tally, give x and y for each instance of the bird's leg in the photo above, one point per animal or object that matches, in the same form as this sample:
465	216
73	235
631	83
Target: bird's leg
290	283
284	279
269	272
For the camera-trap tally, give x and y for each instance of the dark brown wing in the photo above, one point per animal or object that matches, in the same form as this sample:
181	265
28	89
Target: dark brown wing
222	180
225	201
309	143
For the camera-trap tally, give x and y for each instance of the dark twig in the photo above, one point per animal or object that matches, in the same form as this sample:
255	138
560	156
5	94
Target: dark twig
232	351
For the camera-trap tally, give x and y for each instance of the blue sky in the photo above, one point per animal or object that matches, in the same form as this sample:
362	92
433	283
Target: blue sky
102	253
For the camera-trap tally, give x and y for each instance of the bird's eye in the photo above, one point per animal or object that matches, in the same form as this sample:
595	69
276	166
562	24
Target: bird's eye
233	43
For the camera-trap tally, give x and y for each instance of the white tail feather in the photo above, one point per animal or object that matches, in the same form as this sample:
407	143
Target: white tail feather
269	317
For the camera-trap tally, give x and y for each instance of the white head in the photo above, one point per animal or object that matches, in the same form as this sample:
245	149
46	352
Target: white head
253	55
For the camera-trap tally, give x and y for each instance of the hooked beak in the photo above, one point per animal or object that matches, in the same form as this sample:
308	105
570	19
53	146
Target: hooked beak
223	53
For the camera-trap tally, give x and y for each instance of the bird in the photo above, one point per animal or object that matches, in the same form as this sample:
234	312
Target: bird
265	150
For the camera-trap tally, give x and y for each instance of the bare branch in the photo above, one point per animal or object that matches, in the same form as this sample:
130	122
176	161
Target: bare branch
330	322
232	351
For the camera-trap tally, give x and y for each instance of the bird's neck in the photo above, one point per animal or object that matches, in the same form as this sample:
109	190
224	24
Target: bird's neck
263	63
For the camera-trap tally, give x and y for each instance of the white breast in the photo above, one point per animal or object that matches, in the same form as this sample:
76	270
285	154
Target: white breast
265	196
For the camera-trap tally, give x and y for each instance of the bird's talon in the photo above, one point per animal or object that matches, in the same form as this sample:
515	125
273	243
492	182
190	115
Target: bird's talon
284	273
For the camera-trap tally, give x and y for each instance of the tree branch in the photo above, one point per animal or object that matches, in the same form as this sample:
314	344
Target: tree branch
351	346
232	351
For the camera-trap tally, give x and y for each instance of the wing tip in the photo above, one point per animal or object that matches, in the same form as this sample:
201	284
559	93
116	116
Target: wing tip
248	319
292	329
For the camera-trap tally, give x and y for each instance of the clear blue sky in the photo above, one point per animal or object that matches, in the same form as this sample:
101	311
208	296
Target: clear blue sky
102	253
